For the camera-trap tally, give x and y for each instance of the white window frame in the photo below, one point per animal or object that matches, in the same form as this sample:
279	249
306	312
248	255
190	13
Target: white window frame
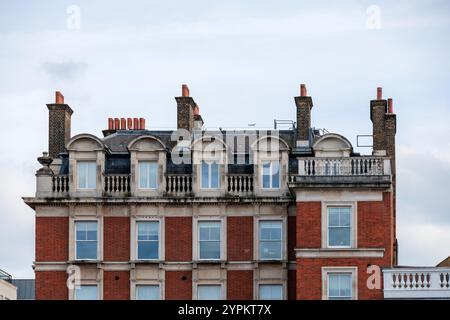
282	241
353	224
222	241
204	284
148	177
159	239
209	163
326	271
76	240
87	175
271	187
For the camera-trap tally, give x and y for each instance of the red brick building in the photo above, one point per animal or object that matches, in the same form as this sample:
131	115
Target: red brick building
222	214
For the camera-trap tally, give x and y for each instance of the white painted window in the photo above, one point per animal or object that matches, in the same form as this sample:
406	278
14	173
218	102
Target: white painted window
147	240
86	292
209	240
210	175
270	175
86	240
209	292
148	175
148	292
270	240
339	286
339	227
271	292
87	174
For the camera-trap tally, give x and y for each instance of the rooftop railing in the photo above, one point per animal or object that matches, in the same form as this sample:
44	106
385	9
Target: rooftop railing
417	283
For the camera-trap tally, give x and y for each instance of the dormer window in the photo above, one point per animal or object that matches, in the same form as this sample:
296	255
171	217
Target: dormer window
148	175
270	176
86	174
210	175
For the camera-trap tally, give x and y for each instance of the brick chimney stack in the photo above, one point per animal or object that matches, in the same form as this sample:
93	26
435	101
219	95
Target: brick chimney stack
198	120
59	123
304	105
378	109
185	109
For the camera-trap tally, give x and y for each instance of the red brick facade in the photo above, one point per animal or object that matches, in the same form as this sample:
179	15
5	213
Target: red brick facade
240	285
116	237
178	238
116	285
51	285
240	238
374	230
178	285
52	235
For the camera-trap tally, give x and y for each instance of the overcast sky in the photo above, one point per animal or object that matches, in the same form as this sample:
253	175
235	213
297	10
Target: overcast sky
243	61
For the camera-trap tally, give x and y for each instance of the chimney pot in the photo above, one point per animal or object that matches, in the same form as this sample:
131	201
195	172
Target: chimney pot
123	124
135	124
379	93
116	123
303	90
142	123
130	123
110	124
184	90
59	98
390	106
196	110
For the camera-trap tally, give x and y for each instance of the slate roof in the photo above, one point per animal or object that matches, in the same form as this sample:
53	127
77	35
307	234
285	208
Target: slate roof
118	158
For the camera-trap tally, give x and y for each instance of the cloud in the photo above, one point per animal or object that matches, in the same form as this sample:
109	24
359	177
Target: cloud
66	70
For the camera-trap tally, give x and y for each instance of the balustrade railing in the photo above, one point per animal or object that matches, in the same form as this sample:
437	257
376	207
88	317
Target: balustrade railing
60	184
178	184
352	166
117	183
240	184
417	283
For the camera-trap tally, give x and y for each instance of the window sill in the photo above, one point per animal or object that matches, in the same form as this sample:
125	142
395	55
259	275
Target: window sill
340	253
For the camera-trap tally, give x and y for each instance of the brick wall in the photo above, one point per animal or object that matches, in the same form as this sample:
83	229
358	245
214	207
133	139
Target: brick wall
309	277
309	224
240	238
178	285
116	237
52	236
51	285
178	236
240	284
116	285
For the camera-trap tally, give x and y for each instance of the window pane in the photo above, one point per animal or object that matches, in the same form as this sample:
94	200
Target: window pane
339	286
209	230
270	230
82	175
147	292
214	175
86	293
148	249
270	250
148	230
339	236
205	175
86	249
275	174
270	292
209	292
209	250
153	175
143	174
266	175
92	175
